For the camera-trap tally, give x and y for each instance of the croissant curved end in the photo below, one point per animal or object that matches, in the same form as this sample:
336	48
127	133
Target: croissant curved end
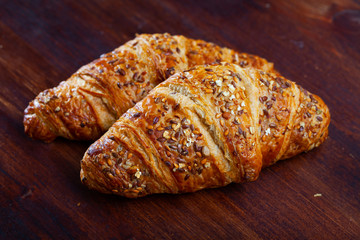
95	177
305	137
35	128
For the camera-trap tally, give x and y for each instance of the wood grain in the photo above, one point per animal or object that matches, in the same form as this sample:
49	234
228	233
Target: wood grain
315	43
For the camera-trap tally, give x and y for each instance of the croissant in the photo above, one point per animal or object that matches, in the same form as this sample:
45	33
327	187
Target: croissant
205	128
92	99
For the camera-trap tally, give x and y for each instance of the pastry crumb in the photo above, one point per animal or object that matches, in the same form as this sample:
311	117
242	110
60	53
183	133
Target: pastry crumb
317	195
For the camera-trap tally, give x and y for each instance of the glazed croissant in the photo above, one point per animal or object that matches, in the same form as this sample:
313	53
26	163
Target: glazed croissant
92	99
205	128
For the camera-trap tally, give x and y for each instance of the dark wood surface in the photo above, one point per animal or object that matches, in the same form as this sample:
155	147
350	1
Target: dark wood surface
315	43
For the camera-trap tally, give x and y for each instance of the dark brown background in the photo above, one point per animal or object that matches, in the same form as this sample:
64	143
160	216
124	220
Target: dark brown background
315	43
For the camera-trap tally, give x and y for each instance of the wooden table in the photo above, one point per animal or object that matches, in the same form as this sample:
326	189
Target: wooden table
315	43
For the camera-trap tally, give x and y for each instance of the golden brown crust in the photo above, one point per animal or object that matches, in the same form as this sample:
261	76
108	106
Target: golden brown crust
203	128
86	105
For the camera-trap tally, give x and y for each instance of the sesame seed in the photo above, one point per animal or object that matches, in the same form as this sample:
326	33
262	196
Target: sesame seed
218	115
237	120
181	160
243	63
176	107
121	72
137	174
182	165
208	90
46	100
263	99
272	125
252	130
166	135
57	109
184	152
268	104
226	115
268	131
226	132
205	151
161	139
196	132
231	88
187	131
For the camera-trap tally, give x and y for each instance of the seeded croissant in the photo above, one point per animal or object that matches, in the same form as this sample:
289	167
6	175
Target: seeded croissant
205	128
91	100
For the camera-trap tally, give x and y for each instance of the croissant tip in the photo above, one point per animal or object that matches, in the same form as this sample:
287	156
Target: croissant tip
35	128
